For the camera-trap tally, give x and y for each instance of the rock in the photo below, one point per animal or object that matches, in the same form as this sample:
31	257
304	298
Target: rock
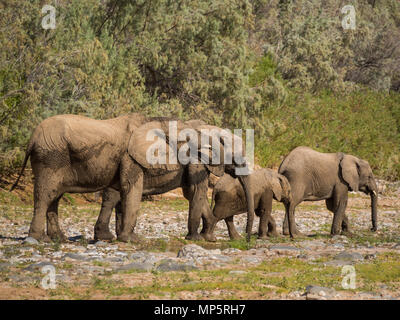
349	256
319	293
101	243
282	247
136	266
338	246
74	256
192	251
38	266
172	265
30	240
251	259
285	250
4	266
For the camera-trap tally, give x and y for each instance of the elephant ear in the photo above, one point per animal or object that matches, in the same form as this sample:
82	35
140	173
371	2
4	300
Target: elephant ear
275	184
206	151
150	143
350	171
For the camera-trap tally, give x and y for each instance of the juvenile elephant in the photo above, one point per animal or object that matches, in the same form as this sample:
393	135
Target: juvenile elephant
317	176
229	200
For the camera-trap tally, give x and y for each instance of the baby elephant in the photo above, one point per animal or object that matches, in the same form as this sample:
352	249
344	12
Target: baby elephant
229	199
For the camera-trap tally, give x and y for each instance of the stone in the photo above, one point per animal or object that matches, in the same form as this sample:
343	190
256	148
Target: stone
38	266
349	256
251	259
74	256
4	266
282	248
30	240
319	293
192	251
172	265
136	266
101	243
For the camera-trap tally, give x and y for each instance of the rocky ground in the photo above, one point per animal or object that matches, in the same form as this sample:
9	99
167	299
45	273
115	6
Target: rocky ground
163	265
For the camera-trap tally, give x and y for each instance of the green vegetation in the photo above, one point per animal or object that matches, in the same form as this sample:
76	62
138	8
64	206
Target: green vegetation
285	68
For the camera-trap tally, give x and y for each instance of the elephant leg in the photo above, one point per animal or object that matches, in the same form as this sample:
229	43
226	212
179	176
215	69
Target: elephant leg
290	208
233	234
131	195
118	218
267	225
345	224
53	228
337	204
110	198
199	208
45	192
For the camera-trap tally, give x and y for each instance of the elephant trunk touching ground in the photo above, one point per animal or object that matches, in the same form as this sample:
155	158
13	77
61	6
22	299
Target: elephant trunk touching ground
374	209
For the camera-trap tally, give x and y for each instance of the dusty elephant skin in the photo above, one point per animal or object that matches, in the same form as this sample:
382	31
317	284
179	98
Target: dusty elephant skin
71	153
327	176
229	199
76	154
139	177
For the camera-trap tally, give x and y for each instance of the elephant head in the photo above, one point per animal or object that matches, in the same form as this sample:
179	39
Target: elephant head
280	187
191	140
231	161
358	175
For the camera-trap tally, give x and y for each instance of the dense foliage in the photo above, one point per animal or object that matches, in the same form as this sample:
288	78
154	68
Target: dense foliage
286	68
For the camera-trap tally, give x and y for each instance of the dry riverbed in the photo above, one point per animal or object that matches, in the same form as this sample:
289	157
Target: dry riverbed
165	266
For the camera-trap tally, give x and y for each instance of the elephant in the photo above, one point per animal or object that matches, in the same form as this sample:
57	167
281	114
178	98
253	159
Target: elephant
111	199
75	154
141	176
317	176
71	153
229	199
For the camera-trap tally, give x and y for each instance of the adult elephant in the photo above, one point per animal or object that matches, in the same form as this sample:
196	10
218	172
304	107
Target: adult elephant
71	153
76	154
317	176
140	176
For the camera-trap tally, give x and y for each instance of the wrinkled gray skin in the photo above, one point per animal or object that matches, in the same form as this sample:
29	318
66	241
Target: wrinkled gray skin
317	176
229	199
76	154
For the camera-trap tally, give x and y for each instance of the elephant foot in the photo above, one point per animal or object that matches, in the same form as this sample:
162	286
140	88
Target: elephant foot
263	237
128	237
272	234
296	233
58	237
41	237
346	233
235	236
194	237
104	235
209	237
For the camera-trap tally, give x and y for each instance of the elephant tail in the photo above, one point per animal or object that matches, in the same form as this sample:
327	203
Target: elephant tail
27	155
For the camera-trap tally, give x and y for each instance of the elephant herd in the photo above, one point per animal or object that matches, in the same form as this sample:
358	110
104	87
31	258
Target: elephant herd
75	154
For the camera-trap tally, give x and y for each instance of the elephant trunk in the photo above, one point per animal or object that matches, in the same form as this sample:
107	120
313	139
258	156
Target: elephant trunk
374	209
244	180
